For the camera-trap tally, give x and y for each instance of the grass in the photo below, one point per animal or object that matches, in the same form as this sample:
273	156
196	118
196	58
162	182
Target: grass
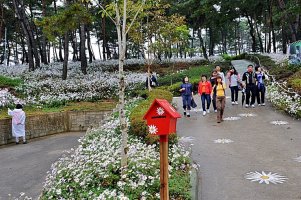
9	82
72	106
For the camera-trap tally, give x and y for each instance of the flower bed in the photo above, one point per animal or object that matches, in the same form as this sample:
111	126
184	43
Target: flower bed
6	98
92	171
291	103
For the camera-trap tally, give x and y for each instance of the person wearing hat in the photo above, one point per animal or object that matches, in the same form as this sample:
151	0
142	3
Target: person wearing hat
233	80
18	123
219	91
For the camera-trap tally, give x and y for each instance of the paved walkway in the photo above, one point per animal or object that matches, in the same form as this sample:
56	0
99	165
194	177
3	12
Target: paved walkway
23	167
257	146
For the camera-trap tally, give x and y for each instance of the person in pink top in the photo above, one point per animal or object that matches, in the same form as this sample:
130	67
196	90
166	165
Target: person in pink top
204	90
18	123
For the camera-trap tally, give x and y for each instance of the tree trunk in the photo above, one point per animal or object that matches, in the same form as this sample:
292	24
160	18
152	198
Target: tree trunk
258	34
83	57
44	43
202	44
104	41
284	40
60	50
91	56
211	42
252	33
74	46
66	55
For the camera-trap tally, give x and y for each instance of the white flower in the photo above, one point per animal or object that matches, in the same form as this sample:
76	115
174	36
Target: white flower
279	122
232	118
247	115
152	129
160	111
223	141
298	159
265	177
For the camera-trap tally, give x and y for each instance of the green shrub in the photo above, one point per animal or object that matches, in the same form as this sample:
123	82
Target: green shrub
138	125
227	57
9	82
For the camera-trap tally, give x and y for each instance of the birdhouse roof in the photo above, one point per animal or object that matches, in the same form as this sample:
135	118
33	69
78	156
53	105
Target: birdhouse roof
166	106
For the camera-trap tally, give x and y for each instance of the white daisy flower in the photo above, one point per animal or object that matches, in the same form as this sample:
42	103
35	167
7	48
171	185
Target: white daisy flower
266	178
152	129
223	141
298	159
160	111
277	122
247	115
232	118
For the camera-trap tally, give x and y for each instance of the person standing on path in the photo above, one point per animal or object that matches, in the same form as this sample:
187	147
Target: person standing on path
250	79
18	123
233	80
186	93
204	91
220	73
213	82
219	91
260	86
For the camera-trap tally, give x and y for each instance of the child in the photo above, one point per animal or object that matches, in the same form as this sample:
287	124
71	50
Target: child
219	91
234	80
18	123
204	91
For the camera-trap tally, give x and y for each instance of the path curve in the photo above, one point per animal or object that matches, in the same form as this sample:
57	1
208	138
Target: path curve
257	146
23	167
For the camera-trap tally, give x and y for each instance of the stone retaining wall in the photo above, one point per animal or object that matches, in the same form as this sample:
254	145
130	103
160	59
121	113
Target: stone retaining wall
52	123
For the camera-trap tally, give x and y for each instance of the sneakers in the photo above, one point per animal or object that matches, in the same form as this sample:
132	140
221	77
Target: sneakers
188	115
204	113
236	103
263	104
25	142
184	113
208	111
253	106
215	111
259	104
233	102
247	106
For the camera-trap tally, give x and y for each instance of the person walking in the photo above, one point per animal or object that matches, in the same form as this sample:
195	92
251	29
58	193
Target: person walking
260	87
213	82
186	93
220	73
250	79
219	91
204	91
18	123
233	80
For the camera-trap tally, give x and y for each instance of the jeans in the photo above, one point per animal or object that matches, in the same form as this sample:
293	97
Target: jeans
250	92
260	93
214	102
234	93
186	99
206	97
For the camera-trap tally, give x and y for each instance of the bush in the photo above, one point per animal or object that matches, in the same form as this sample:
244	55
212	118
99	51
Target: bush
9	82
138	125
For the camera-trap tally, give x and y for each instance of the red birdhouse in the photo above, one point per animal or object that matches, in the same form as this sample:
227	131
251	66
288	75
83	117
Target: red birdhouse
161	118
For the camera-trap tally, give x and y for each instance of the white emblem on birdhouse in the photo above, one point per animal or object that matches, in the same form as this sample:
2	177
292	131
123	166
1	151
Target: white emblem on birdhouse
160	111
152	129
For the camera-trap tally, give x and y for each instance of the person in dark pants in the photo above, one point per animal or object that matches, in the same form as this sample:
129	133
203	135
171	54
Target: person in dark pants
213	82
186	93
250	79
233	80
260	87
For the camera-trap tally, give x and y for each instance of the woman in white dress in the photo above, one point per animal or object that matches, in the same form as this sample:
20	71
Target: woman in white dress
18	123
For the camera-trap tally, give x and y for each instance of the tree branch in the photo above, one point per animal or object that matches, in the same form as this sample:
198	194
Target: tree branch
136	15
111	18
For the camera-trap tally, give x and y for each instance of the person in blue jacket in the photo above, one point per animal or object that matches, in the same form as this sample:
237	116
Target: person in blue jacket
186	93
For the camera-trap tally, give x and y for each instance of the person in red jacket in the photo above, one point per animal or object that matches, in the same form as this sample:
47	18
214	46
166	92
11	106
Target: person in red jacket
205	89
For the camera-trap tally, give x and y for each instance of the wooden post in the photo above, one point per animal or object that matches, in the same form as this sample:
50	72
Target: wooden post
164	193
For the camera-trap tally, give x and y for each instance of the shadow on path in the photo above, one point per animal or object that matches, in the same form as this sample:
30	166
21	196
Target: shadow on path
23	167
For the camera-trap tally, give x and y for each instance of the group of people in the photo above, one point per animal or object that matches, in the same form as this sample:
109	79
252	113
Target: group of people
213	90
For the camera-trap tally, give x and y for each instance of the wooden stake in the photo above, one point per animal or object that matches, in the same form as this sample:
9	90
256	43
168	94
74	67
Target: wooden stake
164	193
